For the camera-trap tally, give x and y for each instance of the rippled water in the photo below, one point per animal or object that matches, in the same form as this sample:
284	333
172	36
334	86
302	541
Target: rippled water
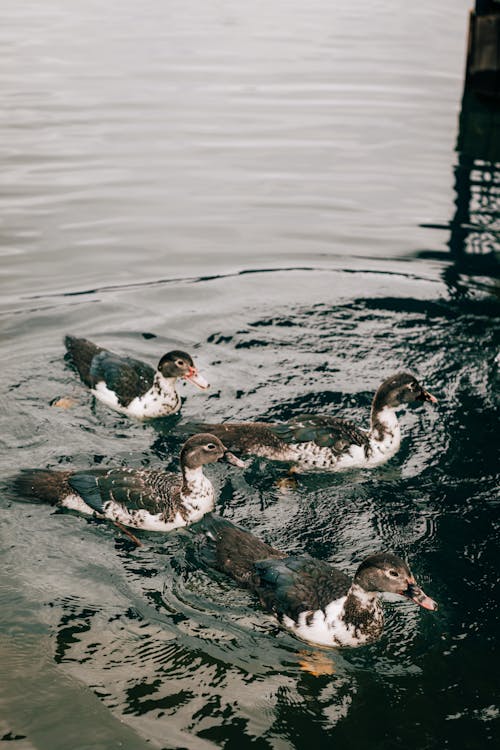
274	188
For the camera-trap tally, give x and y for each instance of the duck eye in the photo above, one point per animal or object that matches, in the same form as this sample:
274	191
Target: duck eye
394	573
179	363
210	446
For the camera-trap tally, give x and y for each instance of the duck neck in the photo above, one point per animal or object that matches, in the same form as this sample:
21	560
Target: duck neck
362	610
192	480
164	386
384	425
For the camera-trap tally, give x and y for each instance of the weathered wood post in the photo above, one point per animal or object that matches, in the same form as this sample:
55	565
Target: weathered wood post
482	72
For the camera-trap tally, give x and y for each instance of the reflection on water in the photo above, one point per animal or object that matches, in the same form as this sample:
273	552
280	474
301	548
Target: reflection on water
266	185
475	226
475	229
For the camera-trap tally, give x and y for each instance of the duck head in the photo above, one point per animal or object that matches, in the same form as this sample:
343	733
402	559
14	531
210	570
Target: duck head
400	389
384	571
177	364
204	449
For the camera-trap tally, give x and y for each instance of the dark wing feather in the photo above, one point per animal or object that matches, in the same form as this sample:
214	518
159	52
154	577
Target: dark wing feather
298	584
243	437
231	549
154	491
325	431
125	376
249	437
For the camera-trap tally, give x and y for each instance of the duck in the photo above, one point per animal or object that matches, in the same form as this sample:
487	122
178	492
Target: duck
316	602
128	385
139	498
327	443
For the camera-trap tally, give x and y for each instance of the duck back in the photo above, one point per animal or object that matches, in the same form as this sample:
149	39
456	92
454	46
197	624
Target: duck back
230	549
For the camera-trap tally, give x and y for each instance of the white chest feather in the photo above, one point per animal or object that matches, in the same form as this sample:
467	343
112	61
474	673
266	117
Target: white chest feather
198	496
385	436
161	400
332	627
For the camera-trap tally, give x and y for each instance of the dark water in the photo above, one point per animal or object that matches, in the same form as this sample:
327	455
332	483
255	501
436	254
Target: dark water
274	187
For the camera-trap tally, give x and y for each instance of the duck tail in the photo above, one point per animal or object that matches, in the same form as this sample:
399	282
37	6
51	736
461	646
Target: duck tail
41	485
80	353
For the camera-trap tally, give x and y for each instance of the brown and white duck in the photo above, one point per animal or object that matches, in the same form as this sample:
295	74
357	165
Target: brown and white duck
318	442
130	386
140	498
314	600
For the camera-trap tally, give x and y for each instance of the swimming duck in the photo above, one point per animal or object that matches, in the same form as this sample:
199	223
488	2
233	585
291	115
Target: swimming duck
140	498
130	386
312	599
317	442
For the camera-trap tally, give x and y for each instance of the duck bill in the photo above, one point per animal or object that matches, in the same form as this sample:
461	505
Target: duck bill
426	396
418	596
196	379
230	458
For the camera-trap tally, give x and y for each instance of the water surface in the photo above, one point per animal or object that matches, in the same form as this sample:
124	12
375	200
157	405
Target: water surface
275	188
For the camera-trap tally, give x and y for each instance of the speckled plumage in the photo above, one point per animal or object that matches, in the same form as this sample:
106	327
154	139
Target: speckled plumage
152	500
146	499
317	602
158	493
128	385
312	443
298	583
322	442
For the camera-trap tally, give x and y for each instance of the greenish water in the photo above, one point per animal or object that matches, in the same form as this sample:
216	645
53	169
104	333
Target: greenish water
275	188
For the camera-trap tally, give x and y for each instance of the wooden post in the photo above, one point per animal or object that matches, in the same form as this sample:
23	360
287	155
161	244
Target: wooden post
483	49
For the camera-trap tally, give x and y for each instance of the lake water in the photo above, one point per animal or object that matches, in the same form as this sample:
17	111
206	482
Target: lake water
274	187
